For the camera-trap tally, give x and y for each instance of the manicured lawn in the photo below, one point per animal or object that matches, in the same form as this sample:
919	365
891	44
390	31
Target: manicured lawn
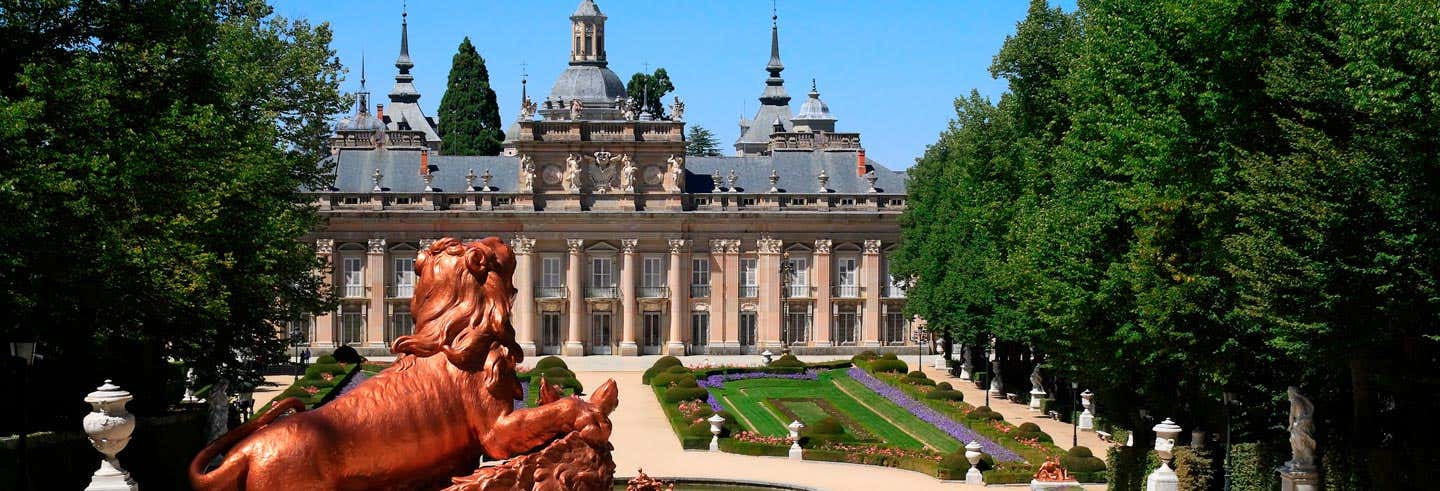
763	403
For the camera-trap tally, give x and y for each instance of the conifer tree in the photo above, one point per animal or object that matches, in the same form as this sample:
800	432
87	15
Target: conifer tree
701	143
469	114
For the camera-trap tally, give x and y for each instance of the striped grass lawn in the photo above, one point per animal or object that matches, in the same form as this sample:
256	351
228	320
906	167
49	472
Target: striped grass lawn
753	399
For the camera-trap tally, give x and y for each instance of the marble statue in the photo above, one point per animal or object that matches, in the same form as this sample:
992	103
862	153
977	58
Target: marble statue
677	110
527	109
627	174
630	109
571	179
1302	432
428	419
1036	382
674	173
996	387
527	174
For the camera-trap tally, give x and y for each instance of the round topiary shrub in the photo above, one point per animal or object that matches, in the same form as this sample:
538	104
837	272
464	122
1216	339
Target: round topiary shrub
678	394
917	374
557	373
667	378
686	382
945	395
828	426
888	366
677	369
698	429
549	362
347	354
955	461
786	364
866	355
889	356
660	365
984	413
326	360
944	386
1028	431
1081	459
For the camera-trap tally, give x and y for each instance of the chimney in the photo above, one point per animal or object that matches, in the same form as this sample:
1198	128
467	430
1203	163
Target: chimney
860	163
424	162
380	112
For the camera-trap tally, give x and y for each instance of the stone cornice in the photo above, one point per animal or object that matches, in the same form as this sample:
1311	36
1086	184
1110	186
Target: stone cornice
522	245
574	246
822	246
627	246
678	246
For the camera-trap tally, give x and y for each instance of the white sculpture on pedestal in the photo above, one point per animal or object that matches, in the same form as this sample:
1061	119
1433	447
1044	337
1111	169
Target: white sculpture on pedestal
715	422
1037	389
795	427
109	426
1087	418
966	368
1299	473
190	386
996	388
972	454
1164	478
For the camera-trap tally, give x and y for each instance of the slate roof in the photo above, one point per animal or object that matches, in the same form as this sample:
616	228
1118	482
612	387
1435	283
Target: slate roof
588	83
587	8
798	171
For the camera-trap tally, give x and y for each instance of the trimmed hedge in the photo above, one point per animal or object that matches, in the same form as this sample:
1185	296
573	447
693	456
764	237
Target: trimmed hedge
984	413
667	378
549	362
1252	465
924	466
887	366
1195	468
748	448
944	386
662	364
1081	459
945	395
675	395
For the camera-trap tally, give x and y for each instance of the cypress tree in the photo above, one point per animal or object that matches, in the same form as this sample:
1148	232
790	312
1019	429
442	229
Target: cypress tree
469	114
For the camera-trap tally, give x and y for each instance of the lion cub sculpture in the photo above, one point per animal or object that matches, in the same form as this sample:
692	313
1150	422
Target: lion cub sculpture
426	421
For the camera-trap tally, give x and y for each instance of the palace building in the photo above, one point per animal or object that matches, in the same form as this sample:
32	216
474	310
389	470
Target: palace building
624	244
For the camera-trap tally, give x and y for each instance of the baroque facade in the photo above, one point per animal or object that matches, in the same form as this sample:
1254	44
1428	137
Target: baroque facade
624	245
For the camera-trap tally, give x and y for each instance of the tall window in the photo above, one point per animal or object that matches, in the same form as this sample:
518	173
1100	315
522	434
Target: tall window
895	286
847	325
848	285
749	286
551	272
799	280
700	277
404	277
896	327
653	273
400	322
699	328
352	325
602	273
354	277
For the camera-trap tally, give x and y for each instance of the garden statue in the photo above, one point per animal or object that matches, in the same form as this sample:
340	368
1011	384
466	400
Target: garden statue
1037	389
1302	432
642	482
575	108
424	422
527	109
674	174
527	174
571	179
1051	471
627	174
677	110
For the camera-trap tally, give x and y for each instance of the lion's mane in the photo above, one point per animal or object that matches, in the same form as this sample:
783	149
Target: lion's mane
461	306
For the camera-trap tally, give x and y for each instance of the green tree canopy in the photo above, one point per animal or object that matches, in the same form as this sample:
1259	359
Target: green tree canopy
469	114
155	154
650	90
701	143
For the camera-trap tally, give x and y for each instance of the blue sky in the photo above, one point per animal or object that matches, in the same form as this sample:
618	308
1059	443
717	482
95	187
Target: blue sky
888	69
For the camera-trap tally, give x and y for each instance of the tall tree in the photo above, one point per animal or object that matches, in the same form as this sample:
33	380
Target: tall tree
650	90
701	142
469	114
151	191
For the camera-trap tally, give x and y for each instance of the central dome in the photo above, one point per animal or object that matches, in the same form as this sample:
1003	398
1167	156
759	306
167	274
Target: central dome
591	84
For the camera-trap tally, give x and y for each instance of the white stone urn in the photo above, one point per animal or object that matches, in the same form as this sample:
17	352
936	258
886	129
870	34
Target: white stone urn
1164	478
109	426
767	355
972	454
795	427
715	421
1087	417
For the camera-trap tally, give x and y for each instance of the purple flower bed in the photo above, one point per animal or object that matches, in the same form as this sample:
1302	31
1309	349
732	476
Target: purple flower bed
928	415
715	381
524	394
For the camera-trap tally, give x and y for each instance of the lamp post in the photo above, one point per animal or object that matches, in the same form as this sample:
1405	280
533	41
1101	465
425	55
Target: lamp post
986	374
920	338
1074	414
1228	397
25	351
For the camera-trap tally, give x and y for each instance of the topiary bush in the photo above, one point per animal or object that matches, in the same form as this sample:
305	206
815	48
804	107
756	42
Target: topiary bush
984	413
955	462
1252	466
1081	459
889	356
944	386
888	366
667	378
917	374
699	429
550	362
326	360
786	364
945	395
660	365
675	395
347	354
864	357
1195	468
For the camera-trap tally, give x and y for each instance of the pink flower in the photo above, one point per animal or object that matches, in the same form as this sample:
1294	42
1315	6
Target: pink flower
312	390
327	376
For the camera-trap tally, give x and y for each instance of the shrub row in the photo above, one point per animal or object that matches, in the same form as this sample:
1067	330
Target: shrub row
660	365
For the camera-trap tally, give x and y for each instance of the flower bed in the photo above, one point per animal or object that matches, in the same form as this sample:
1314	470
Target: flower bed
716	380
321	383
925	413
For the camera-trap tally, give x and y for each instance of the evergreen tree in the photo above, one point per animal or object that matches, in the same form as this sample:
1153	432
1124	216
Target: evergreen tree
152	206
469	114
650	90
701	143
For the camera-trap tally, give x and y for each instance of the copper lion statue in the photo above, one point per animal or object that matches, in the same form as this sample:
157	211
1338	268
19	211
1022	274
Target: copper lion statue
426	421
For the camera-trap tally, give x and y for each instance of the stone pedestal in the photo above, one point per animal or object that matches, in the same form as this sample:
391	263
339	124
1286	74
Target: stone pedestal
972	454
1087	421
965	370
1037	398
574	348
529	349
973	476
629	348
1299	480
675	348
940	362
109	426
1055	486
1163	479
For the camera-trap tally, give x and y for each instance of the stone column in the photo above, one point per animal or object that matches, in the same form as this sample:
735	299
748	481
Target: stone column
768	310
375	279
732	291
870	320
524	311
325	323
822	267
575	292
628	309
718	275
676	345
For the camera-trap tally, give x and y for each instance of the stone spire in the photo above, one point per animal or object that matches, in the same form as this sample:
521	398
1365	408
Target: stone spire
774	103
404	90
362	98
775	85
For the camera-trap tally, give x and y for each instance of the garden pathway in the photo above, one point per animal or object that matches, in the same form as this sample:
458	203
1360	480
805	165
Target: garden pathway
1017	413
643	439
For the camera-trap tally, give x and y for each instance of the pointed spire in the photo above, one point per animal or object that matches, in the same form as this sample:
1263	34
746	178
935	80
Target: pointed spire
775	66
404	90
362	98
